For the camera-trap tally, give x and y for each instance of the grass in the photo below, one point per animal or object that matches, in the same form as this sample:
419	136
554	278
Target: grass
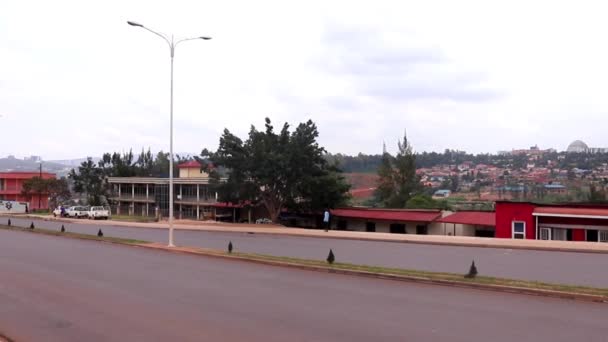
484	280
74	235
127	218
432	275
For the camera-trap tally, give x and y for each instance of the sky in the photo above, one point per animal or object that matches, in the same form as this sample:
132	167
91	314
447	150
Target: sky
478	76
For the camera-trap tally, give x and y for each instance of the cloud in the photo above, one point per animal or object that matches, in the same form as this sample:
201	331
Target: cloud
393	66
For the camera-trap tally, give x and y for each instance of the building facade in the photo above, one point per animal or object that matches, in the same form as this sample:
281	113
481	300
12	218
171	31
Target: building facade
11	187
193	197
572	222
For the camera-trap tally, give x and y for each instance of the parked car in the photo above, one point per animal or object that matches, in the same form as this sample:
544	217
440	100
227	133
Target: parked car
60	212
98	213
263	221
77	212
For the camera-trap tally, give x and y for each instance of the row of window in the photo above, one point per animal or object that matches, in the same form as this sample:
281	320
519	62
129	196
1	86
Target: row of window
561	234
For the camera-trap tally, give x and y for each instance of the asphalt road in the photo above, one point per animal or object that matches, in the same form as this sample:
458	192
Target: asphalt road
546	266
55	289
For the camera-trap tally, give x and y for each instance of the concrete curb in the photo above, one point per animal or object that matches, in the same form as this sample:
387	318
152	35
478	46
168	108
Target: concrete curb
395	277
313	234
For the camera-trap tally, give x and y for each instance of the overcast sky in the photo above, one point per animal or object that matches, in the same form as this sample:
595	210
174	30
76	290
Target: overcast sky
480	76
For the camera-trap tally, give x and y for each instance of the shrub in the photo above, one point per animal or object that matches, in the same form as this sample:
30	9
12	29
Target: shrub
331	258
472	271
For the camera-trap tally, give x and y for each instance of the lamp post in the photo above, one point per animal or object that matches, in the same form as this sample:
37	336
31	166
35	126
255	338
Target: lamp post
39	193
172	44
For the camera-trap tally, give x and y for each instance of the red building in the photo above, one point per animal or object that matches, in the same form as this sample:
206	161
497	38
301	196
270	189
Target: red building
572	222
11	185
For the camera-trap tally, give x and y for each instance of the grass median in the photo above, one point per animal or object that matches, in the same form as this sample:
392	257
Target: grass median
374	270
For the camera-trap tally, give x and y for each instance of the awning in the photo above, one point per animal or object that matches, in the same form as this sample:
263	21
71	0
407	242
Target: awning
593	213
475	218
389	215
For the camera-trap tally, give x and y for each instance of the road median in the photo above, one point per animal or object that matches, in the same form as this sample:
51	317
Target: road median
582	293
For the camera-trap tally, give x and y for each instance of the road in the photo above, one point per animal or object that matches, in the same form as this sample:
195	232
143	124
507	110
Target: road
56	289
547	266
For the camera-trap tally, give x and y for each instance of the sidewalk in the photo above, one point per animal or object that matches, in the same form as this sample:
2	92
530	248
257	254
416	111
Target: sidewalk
467	241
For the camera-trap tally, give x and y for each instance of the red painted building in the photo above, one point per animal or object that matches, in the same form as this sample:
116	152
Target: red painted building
11	185
572	222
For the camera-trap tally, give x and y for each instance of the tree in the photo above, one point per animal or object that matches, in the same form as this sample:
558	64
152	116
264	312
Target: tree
284	170
34	186
90	180
398	180
58	191
422	201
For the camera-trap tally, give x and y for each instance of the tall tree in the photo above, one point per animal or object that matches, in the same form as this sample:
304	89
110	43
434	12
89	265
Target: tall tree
278	170
90	180
398	180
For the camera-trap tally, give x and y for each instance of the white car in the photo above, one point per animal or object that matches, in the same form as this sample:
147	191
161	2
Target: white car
58	212
98	213
77	212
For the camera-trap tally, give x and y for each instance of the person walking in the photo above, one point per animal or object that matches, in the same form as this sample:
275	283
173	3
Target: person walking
326	220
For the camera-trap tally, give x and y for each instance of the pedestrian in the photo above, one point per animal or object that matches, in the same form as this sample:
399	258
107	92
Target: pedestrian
326	220
62	211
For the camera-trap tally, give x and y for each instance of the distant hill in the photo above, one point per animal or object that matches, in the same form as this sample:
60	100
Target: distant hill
12	164
73	162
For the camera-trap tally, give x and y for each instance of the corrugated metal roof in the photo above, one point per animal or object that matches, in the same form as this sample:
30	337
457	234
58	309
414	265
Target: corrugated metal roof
571	212
388	214
190	164
477	218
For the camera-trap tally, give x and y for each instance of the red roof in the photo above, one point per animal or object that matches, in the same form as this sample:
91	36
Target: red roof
25	175
190	164
362	193
569	211
388	214
477	218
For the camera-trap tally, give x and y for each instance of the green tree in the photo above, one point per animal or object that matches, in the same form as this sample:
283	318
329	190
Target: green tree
278	170
397	178
422	201
90	180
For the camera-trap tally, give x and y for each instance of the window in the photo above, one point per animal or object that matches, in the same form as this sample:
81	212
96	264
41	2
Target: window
604	236
545	233
519	230
370	227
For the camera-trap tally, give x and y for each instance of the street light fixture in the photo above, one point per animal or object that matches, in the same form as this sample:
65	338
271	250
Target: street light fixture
172	45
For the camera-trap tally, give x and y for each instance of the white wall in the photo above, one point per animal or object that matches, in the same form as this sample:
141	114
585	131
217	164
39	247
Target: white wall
16	207
434	228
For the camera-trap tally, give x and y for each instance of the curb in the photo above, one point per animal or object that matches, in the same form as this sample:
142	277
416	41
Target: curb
394	277
354	238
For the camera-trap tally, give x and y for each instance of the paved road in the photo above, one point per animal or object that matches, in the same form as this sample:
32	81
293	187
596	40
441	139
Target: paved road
547	266
55	289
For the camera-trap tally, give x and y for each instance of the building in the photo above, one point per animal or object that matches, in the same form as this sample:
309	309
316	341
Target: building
399	221
469	223
577	146
143	196
414	221
193	199
11	187
573	222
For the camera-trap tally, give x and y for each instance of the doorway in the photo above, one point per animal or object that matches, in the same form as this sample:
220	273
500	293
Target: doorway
421	230
592	235
370	227
397	228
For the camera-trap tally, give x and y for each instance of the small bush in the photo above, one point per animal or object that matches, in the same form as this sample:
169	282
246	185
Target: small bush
32	225
230	247
331	258
472	271
100	233
9	222
62	229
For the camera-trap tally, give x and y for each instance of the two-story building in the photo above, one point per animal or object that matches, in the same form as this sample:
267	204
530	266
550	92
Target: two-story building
11	187
192	195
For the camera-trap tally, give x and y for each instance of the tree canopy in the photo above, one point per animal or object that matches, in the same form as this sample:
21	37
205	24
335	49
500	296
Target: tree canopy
397	179
278	170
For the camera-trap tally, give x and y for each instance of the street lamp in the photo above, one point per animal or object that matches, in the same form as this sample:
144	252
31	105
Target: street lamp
172	45
39	193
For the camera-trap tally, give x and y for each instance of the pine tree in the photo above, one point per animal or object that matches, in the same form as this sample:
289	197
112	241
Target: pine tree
100	233
230	247
331	258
